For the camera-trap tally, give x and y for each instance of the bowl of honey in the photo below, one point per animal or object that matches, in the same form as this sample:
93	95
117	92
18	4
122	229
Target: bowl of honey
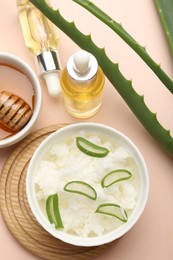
20	99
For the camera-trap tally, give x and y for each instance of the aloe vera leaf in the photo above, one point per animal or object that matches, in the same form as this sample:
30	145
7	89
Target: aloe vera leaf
122	85
114	210
91	149
52	210
165	10
81	188
117	28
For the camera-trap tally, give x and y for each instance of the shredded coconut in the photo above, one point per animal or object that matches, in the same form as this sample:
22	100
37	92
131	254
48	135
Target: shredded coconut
64	162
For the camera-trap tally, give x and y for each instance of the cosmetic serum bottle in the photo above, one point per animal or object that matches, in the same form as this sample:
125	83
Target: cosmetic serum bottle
82	82
42	39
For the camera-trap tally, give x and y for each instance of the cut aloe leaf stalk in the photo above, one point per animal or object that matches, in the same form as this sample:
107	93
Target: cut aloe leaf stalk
52	210
81	188
140	50
115	176
90	148
113	210
165	10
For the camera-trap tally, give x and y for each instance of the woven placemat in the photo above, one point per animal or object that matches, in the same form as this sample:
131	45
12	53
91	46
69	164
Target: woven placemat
16	211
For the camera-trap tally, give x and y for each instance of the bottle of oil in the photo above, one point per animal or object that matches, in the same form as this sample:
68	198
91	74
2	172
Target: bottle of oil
82	83
41	38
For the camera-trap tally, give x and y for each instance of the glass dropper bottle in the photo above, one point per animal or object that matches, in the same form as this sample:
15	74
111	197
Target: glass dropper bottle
41	37
82	82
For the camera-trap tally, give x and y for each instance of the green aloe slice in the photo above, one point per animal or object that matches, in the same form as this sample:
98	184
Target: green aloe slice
114	210
52	210
81	188
90	148
115	176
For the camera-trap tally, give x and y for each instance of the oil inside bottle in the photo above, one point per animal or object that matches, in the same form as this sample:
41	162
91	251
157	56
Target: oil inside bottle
39	33
82	100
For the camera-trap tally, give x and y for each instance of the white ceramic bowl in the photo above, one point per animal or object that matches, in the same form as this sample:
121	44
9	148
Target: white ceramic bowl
143	184
19	64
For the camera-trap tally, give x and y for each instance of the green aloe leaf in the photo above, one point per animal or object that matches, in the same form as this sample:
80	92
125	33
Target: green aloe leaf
52	210
165	10
114	210
81	188
118	29
115	176
90	148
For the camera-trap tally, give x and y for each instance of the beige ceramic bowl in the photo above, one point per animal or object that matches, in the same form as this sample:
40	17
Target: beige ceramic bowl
142	174
16	63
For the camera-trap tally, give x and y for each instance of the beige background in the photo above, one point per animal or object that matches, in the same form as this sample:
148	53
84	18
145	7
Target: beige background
152	236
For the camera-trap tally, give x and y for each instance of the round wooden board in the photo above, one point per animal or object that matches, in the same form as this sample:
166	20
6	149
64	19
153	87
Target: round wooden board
16	211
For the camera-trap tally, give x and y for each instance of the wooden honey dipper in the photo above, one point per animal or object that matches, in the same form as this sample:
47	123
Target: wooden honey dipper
14	111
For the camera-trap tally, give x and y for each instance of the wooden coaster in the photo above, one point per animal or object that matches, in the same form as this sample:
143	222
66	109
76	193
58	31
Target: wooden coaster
16	211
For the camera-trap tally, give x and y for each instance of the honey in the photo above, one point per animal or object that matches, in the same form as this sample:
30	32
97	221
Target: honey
5	131
13	80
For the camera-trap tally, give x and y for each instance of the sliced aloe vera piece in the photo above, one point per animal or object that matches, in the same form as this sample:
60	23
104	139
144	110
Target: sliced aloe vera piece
52	210
81	188
90	148
113	210
115	176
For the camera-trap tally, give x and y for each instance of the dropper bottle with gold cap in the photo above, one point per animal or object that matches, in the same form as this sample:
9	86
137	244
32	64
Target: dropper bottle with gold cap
41	38
82	82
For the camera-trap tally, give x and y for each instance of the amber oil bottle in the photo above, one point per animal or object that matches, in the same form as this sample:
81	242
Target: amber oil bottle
82	82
